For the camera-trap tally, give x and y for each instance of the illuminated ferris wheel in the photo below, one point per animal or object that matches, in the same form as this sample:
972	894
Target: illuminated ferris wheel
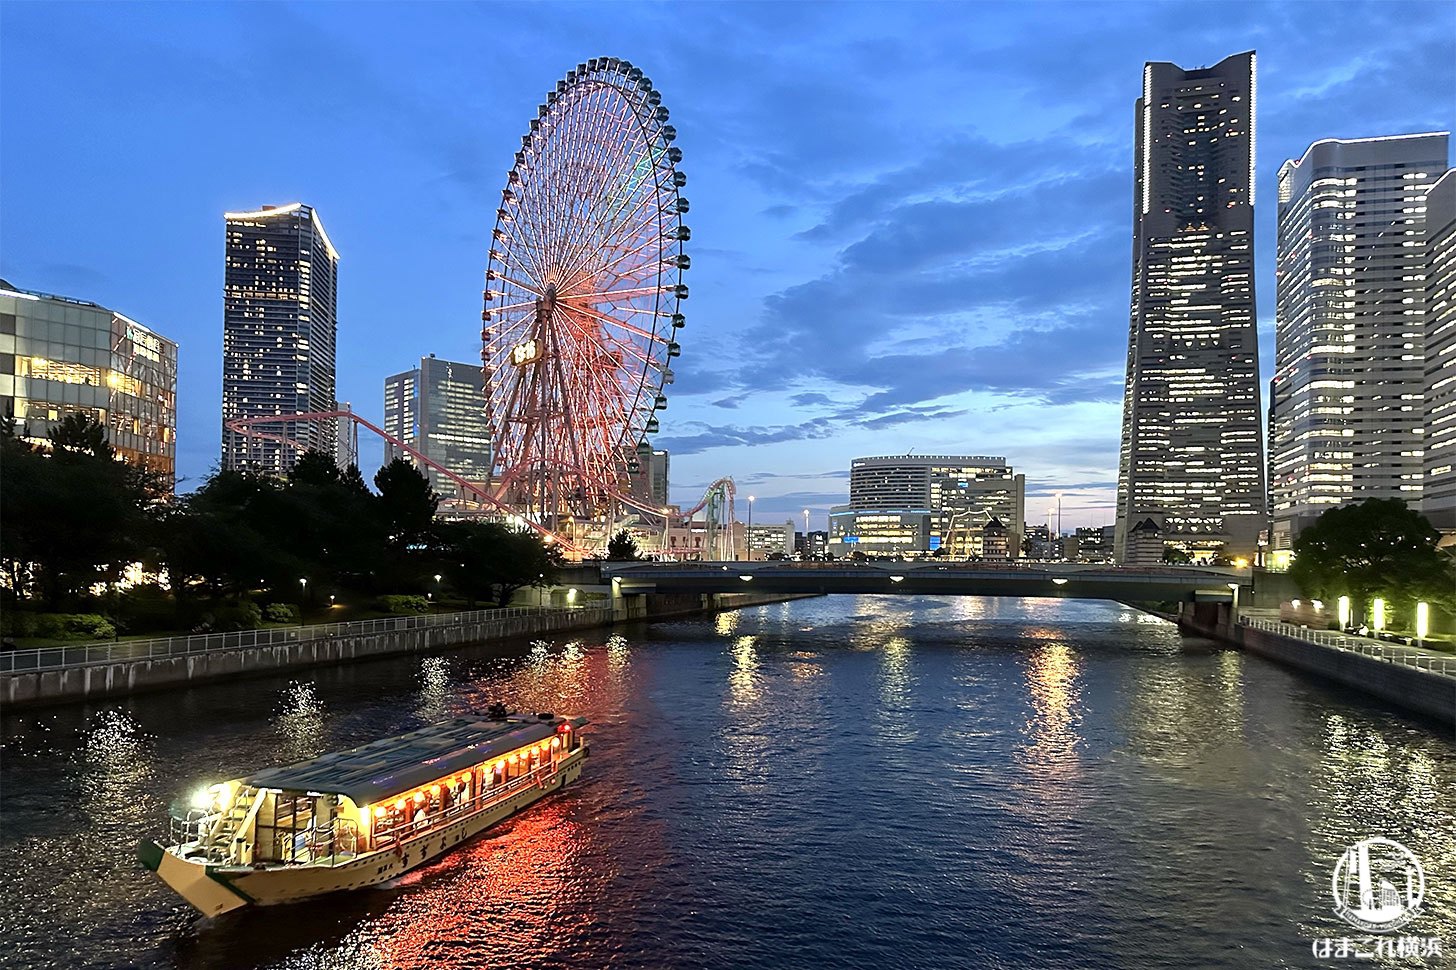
583	288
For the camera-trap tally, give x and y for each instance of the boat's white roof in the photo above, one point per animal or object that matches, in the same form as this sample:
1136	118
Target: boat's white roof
388	767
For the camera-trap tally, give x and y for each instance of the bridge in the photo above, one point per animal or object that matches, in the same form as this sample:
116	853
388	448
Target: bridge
1057	580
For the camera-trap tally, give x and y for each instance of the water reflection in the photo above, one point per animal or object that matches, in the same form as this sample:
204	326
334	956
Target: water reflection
743	676
435	690
1052	727
300	723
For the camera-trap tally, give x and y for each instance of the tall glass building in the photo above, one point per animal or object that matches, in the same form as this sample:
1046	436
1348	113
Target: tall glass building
438	409
1350	371
61	356
1438	498
1192	454
280	324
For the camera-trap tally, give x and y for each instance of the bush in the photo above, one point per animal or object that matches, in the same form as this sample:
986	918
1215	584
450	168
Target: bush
146	607
58	626
281	613
244	616
400	605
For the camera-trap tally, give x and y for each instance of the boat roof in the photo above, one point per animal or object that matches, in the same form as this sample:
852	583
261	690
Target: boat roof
391	766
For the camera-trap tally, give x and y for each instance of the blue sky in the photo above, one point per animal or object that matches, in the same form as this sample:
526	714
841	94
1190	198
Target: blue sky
911	222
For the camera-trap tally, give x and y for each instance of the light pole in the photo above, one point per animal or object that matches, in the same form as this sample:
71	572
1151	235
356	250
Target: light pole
806	535
1234	615
302	598
749	542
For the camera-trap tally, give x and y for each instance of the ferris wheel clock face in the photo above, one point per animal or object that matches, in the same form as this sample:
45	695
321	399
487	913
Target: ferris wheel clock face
583	287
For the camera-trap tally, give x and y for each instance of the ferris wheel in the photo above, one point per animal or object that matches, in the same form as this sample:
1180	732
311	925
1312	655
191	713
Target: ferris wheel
583	290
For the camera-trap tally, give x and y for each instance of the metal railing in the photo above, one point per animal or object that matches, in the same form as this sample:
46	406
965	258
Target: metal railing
1416	657
64	656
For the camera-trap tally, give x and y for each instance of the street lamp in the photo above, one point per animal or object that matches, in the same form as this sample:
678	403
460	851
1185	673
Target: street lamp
1423	622
302	598
1234	616
750	528
806	534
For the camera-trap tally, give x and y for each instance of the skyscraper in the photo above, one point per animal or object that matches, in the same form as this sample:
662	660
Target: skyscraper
1438	500
1191	456
280	322
438	409
1346	417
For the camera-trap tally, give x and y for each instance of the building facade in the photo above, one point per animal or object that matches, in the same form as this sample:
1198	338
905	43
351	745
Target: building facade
61	356
920	504
1346	415
280	327
1438	498
1191	456
770	540
649	481
438	409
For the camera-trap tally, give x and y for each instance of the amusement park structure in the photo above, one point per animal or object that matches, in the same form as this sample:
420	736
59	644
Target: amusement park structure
582	312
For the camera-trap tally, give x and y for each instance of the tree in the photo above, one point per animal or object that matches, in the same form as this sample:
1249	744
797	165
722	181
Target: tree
1175	556
1378	547
73	517
406	500
623	548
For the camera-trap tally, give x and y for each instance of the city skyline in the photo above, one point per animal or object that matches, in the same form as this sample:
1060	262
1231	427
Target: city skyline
856	289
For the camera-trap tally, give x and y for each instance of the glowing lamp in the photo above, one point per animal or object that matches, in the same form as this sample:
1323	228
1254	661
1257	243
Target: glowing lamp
380	812
1318	605
399	805
202	799
1423	620
1343	606
1059	581
1378	614
555	742
419	796
1295	603
434	789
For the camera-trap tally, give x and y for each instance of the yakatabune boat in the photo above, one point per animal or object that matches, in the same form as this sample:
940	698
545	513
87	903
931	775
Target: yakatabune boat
360	817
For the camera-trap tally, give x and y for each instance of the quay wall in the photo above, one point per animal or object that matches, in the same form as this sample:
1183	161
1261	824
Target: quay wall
1422	692
123	677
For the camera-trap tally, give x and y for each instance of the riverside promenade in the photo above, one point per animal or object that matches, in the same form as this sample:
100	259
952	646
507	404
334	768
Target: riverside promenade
88	671
1412	678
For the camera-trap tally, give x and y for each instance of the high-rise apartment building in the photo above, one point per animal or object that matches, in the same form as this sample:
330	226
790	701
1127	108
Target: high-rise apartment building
60	356
438	409
280	323
1350	370
1438	499
1191	457
915	504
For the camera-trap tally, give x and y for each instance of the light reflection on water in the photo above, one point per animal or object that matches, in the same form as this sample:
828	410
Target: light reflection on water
795	784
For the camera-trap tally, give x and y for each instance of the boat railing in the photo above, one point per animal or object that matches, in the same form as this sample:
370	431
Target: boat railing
66	656
537	777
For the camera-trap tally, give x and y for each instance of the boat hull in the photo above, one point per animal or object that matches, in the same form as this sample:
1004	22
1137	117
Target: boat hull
217	889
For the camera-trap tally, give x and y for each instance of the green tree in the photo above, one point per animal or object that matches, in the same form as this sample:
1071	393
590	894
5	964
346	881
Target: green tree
622	548
1175	556
1378	547
73	517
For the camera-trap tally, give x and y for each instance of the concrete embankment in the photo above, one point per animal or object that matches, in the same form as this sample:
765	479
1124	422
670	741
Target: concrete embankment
1422	692
120	676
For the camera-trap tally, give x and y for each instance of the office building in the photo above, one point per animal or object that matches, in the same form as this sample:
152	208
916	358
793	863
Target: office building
1191	458
61	356
919	504
770	540
1350	372
280	324
1438	499
438	409
648	482
813	545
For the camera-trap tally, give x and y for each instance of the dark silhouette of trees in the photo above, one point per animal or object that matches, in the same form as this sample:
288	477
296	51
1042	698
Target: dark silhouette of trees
622	548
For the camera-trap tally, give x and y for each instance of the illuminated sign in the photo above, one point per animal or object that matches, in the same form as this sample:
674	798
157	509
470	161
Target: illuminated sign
525	353
850	539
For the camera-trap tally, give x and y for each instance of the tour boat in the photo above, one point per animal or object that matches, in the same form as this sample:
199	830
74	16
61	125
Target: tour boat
360	817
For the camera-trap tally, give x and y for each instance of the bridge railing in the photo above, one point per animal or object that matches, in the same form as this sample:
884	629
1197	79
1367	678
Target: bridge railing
1390	653
69	655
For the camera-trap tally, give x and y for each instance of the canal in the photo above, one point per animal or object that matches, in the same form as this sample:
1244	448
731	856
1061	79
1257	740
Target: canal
866	782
